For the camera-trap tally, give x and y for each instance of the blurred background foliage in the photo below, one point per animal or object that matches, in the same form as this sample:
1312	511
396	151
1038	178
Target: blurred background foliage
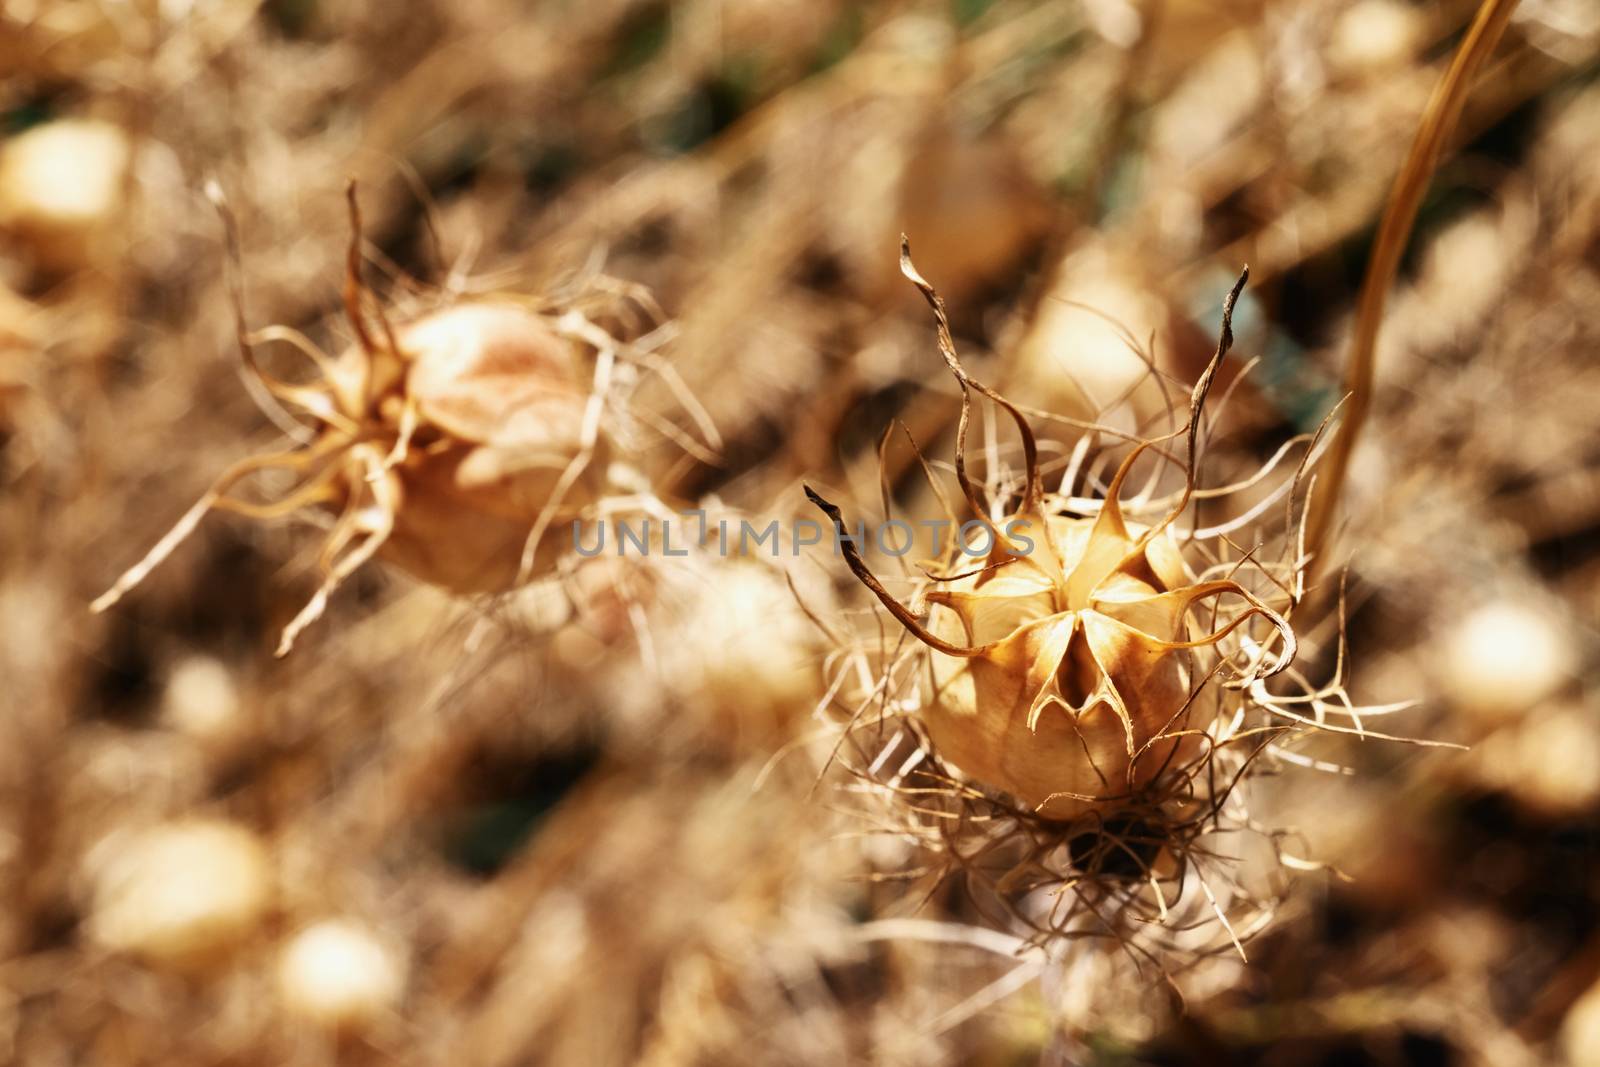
538	841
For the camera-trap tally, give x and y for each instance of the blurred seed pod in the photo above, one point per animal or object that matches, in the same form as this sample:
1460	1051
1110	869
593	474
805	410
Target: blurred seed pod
69	38
1504	658
1547	761
461	442
1373	36
751	650
201	699
181	893
499	407
61	188
339	974
974	207
1090	350
735	654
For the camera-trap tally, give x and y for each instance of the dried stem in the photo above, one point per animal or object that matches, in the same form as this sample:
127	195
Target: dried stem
1438	122
859	568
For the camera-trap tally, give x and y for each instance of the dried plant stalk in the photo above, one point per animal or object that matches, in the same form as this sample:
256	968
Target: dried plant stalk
1438	123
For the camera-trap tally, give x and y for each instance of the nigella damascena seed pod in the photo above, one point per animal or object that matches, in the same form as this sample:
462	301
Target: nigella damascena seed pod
462	445
499	405
1064	671
1080	693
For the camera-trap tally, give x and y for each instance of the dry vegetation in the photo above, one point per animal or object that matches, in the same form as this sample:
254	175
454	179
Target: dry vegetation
504	803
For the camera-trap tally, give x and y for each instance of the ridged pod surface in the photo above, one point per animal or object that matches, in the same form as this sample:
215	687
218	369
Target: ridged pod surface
1080	675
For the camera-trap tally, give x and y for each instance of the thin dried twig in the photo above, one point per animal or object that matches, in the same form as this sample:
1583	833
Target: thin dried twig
1438	120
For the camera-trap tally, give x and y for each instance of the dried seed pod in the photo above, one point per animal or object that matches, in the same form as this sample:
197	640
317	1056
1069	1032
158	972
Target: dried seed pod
1061	673
460	445
1060	676
499	408
1082	690
728	641
179	893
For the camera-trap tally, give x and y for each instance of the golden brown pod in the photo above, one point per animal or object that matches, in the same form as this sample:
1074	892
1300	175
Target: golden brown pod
1080	689
1061	669
461	445
499	408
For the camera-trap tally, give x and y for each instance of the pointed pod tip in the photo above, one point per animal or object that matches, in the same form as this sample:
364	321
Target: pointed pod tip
815	497
1238	287
909	269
